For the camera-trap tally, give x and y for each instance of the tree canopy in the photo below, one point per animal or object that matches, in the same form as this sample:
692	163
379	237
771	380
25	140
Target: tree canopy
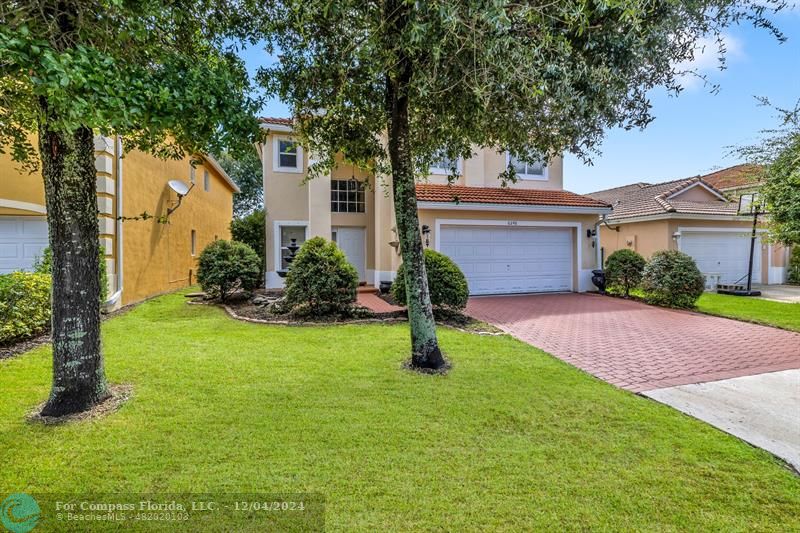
246	171
778	154
163	73
533	78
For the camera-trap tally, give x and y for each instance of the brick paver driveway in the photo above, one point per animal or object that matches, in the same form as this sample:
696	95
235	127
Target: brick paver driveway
639	347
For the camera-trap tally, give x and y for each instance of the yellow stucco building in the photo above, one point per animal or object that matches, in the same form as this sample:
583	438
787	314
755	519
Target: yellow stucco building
144	257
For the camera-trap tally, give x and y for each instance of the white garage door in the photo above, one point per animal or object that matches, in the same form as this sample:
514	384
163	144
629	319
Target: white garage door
723	253
22	240
502	260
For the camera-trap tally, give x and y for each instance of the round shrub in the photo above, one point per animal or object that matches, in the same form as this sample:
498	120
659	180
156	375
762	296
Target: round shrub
672	279
24	305
624	270
251	230
446	282
226	266
320	281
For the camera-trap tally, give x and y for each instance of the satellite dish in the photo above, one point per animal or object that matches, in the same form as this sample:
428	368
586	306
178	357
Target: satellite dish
179	187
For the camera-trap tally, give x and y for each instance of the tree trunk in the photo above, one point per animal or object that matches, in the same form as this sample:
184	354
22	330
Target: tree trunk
69	178
425	352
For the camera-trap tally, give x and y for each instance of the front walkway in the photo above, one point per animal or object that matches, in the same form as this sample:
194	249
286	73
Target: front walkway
636	346
780	293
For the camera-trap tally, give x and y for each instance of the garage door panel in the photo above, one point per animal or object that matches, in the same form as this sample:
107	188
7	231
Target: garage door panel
498	260
723	253
22	240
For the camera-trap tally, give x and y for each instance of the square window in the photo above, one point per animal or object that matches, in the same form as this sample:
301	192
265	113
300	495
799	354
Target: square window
347	196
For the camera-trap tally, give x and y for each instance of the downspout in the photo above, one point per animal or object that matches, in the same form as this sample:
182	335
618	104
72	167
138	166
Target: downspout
598	246
115	298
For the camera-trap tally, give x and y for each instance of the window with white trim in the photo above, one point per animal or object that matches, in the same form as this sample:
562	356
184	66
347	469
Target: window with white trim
194	242
527	171
206	181
287	233
348	196
192	172
288	155
444	165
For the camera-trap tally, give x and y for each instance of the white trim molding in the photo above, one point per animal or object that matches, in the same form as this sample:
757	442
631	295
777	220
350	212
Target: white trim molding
577	267
545	176
682	229
23	206
276	238
276	162
683	216
514	208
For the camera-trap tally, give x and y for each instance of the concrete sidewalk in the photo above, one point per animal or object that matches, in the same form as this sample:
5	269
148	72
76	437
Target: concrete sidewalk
763	410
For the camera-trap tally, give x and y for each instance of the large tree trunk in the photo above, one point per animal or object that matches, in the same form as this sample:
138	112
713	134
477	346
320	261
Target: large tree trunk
425	352
69	178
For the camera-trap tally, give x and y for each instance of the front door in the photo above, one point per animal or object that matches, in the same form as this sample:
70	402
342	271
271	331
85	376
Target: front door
354	245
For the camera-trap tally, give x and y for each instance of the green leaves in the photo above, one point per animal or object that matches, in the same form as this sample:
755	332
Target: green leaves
533	78
160	73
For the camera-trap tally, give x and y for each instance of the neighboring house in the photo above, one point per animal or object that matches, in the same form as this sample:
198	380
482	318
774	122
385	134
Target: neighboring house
143	257
696	217
530	237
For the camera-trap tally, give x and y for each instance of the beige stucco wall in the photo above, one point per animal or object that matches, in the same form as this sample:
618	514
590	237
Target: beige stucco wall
158	257
649	237
486	164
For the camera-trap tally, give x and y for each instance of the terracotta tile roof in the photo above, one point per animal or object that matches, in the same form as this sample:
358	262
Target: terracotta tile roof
277	120
504	196
643	199
733	177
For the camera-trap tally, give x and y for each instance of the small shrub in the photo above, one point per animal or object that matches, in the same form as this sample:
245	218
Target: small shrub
794	265
672	279
24	305
225	266
320	281
623	271
44	265
251	230
446	282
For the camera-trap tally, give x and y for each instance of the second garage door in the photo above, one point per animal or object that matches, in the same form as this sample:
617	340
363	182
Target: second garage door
504	260
726	254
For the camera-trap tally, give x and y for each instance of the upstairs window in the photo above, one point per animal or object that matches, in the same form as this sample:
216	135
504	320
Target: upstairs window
206	181
192	172
288	155
444	165
347	196
527	171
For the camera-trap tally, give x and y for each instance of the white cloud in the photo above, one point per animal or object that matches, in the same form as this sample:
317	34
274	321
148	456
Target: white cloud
707	59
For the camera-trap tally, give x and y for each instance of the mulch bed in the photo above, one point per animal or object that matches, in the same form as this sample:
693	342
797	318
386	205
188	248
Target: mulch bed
10	350
119	395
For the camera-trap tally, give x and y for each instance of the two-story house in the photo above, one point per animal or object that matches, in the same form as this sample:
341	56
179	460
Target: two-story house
530	237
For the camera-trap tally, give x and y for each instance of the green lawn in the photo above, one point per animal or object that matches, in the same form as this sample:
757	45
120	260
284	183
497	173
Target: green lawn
512	439
784	315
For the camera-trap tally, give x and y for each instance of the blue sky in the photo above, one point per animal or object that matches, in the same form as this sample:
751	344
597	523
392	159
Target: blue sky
692	132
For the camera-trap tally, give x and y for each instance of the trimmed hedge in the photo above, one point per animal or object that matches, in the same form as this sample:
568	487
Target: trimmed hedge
624	270
226	266
672	279
251	230
446	282
320	281
794	265
24	305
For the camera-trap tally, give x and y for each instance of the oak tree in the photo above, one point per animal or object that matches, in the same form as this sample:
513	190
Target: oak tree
163	75
446	76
